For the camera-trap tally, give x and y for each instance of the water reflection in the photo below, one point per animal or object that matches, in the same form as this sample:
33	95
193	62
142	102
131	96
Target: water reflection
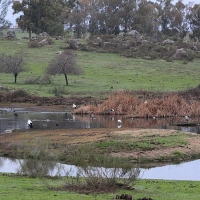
184	171
11	119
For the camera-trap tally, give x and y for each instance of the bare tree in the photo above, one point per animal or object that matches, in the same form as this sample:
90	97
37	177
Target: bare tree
64	63
12	64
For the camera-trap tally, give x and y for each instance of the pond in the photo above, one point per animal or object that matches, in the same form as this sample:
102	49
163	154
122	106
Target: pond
184	171
16	119
12	119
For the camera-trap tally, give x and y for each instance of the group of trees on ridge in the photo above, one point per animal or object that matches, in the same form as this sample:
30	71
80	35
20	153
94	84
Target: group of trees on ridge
153	19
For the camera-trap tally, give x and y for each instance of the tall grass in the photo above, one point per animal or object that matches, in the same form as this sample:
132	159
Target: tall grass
125	102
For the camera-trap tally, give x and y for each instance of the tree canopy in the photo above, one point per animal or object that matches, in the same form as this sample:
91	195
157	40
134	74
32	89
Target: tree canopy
64	63
4	4
40	16
13	64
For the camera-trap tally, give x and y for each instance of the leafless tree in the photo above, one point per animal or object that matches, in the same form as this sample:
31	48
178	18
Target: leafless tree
12	64
64	63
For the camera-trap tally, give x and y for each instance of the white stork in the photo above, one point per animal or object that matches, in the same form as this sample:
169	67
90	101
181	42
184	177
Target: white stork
30	123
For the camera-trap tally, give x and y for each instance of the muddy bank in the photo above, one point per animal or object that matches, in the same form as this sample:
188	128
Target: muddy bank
60	142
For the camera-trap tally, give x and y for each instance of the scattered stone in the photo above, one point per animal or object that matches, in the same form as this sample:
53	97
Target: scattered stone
124	196
168	41
25	38
59	38
43	36
135	34
180	53
44	42
194	48
11	35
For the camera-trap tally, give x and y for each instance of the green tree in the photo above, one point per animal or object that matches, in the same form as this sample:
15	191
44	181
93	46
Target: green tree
194	19
13	64
178	19
64	63
146	19
164	9
4	4
40	16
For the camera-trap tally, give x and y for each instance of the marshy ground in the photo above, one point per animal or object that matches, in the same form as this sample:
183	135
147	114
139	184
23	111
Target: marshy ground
152	146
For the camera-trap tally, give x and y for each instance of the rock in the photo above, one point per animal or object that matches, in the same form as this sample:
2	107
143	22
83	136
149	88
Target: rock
59	38
25	38
44	42
43	36
135	34
145	42
168	41
180	54
124	196
11	35
194	48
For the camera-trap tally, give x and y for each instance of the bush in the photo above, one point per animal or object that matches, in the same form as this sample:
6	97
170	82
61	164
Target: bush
17	94
39	80
34	80
191	55
57	91
50	40
114	172
33	44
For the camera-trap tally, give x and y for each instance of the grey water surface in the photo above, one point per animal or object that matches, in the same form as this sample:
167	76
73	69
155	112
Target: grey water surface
16	119
184	171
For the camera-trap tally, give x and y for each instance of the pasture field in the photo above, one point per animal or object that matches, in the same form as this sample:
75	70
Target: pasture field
24	188
102	72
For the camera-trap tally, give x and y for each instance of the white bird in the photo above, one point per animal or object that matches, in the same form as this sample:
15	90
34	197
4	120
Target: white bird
186	118
74	106
30	123
119	121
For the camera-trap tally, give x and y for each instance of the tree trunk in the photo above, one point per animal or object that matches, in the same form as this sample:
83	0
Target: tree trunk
66	79
15	75
30	34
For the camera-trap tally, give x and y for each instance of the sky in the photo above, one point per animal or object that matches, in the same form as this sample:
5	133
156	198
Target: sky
12	17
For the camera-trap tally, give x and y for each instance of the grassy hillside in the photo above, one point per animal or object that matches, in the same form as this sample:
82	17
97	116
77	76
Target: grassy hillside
102	72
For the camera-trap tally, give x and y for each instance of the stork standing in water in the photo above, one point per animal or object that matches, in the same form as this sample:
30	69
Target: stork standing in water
30	123
74	106
119	121
186	118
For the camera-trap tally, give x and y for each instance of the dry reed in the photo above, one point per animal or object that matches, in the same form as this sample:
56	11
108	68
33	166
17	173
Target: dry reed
126	103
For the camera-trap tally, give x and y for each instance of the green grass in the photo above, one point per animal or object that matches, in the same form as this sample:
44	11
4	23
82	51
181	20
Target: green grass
127	143
102	72
24	188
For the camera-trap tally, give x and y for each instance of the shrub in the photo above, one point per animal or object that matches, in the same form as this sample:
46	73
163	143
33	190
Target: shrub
16	94
39	80
57	91
34	80
50	40
72	44
191	55
33	44
114	172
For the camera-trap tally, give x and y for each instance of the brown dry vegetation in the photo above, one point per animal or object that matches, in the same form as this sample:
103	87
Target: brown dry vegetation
132	105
